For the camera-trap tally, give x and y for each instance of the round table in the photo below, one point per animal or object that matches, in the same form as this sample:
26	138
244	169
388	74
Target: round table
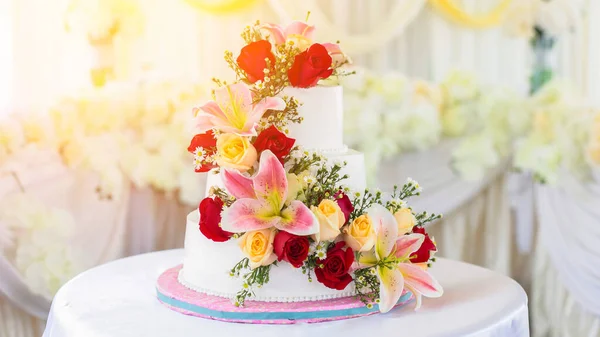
118	299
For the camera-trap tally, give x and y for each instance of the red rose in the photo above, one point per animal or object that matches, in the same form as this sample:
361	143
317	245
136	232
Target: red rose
310	66
424	252
345	204
210	218
252	59
274	140
203	146
291	248
334	273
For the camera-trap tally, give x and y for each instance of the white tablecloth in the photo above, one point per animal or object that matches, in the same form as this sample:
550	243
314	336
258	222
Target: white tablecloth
118	299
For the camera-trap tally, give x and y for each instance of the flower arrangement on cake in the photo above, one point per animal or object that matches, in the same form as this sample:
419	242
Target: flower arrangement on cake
282	204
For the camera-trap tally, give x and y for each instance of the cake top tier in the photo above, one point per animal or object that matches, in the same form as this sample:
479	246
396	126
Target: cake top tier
322	115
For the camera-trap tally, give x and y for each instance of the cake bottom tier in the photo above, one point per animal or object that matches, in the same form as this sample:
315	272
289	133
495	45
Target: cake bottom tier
184	300
206	267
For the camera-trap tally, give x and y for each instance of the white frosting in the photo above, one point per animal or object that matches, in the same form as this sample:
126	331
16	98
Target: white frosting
323	115
206	267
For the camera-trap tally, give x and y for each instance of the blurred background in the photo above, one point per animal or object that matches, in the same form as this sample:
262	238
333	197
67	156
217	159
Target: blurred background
489	104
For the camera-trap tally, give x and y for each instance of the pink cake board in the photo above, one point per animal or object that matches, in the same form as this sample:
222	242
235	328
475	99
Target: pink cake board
184	300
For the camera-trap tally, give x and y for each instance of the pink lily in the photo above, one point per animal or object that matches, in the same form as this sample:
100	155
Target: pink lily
296	30
391	258
261	201
302	35
233	111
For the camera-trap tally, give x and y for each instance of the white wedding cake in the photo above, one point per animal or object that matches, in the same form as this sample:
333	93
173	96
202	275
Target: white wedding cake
320	131
287	232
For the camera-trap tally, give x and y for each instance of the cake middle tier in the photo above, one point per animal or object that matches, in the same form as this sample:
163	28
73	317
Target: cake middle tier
207	264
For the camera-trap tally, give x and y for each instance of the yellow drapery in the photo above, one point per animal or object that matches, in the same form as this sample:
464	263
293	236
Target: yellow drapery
448	8
490	19
222	7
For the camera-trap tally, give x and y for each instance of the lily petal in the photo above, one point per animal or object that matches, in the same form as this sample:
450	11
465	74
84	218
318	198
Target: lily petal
298	219
237	184
270	183
418	297
300	28
421	281
269	103
276	32
367	259
407	244
235	101
259	109
391	285
208	116
386	228
246	215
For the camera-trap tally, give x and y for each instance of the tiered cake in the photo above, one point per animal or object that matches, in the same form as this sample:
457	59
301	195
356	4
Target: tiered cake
288	233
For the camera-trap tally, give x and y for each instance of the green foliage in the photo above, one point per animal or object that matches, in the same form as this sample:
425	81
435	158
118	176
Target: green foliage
255	278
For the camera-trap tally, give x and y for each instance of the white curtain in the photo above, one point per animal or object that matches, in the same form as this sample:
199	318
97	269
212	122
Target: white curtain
566	278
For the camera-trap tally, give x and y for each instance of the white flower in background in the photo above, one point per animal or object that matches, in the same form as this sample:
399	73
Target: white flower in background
473	156
102	154
392	86
41	248
459	87
461	91
363	118
456	119
11	137
542	159
38	130
556	93
135	164
504	116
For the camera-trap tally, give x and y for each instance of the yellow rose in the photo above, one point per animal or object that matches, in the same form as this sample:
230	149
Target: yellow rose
235	152
331	219
258	247
405	219
360	234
